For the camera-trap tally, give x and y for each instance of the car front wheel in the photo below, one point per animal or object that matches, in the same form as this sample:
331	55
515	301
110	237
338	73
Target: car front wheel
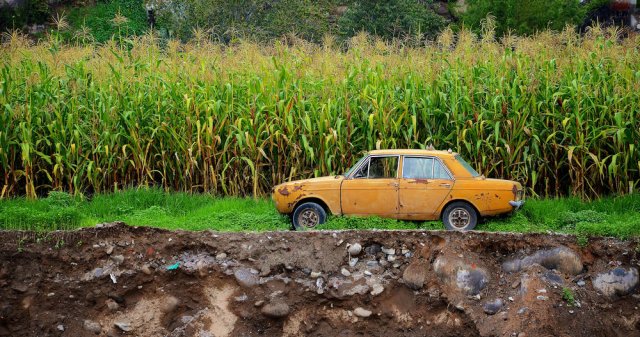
460	216
308	216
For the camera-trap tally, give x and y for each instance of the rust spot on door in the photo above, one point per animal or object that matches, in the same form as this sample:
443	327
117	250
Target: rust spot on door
284	191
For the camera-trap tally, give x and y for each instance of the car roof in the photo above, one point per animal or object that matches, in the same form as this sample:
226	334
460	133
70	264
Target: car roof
409	152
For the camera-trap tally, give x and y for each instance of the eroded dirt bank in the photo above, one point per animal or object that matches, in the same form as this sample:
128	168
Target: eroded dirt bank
118	280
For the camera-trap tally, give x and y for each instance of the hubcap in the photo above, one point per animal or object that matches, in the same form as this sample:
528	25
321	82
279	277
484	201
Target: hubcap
459	218
308	218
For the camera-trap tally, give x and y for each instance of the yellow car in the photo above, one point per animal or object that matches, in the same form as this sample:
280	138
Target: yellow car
401	184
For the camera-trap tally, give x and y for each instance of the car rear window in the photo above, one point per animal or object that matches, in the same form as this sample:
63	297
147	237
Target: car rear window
468	167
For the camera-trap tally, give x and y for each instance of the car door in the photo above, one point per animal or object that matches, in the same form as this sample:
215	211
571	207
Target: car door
424	184
373	188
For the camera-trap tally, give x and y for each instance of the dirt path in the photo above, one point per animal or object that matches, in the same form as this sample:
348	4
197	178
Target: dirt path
117	280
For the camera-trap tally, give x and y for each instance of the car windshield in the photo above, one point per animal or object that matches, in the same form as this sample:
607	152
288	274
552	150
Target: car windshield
468	167
348	173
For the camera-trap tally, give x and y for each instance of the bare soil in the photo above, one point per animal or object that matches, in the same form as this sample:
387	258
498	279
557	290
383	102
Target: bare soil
116	280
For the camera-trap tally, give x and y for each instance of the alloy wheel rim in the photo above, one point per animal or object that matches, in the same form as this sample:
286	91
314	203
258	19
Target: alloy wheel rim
308	218
459	218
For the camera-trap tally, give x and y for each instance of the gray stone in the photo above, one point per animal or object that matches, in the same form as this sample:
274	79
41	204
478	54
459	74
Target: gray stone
617	282
362	312
377	289
354	249
373	249
112	305
353	262
315	274
345	272
92	326
414	275
245	277
470	279
124	326
522	310
109	249
581	283
276	309
561	259
118	259
388	251
492	307
542	298
60	327
221	256
552	278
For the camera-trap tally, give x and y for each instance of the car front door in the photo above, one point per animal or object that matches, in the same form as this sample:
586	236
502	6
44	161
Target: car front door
372	188
423	186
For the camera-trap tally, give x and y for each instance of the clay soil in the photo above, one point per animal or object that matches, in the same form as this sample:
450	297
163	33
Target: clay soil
116	280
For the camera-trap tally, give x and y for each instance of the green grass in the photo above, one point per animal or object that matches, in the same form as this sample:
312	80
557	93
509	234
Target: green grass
610	216
99	19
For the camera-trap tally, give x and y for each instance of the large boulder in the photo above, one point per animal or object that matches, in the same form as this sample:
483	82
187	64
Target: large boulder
469	278
561	259
617	282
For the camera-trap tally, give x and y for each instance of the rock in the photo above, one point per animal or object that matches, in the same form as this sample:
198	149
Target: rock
109	249
522	310
20	288
617	282
353	262
368	273
581	283
373	249
98	272
112	305
377	289
246	278
388	251
372	263
542	298
561	259
492	307
169	304
186	319
124	326
362	312
92	326
354	249
60	327
552	278
276	309
315	274
470	279
118	259
391	258
345	272
221	256
414	275
241	298
258	303
146	269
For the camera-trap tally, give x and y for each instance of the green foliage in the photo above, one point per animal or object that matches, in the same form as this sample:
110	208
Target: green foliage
255	19
29	12
101	23
391	19
567	296
525	17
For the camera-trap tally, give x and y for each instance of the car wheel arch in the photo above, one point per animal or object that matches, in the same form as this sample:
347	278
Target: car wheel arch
314	200
444	206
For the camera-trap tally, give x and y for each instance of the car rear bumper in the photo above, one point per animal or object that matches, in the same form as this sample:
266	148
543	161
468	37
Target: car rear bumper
516	204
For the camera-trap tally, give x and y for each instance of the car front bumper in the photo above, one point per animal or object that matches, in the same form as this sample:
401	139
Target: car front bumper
516	204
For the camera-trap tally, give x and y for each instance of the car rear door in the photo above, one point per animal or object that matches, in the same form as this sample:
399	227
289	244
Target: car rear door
373	188
424	184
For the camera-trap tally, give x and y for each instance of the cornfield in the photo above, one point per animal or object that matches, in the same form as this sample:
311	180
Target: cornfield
557	111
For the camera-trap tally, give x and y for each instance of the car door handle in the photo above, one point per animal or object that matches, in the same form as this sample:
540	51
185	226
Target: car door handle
445	185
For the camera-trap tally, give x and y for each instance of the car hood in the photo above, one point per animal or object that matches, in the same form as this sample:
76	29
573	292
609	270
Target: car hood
313	184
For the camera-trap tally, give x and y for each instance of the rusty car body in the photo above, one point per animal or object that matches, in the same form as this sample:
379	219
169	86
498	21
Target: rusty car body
401	184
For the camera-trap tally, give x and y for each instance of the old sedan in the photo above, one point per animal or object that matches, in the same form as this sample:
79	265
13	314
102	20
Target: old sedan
401	184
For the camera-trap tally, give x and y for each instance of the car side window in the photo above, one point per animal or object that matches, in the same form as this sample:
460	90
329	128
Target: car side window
417	168
439	172
383	167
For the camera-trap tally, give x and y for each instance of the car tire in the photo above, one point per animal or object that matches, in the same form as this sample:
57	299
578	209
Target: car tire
459	216
308	216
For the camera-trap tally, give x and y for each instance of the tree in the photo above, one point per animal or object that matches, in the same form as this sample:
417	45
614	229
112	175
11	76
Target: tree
525	17
390	19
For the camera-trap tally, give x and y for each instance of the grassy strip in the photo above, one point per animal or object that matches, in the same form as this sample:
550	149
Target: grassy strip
612	216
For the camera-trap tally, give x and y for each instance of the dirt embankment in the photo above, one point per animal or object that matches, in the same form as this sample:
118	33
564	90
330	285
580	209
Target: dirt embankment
119	280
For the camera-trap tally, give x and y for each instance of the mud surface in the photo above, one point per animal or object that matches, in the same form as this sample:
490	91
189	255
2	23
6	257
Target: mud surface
116	280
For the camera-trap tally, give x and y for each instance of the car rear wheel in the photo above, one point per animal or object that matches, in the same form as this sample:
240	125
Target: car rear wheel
308	216
460	216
